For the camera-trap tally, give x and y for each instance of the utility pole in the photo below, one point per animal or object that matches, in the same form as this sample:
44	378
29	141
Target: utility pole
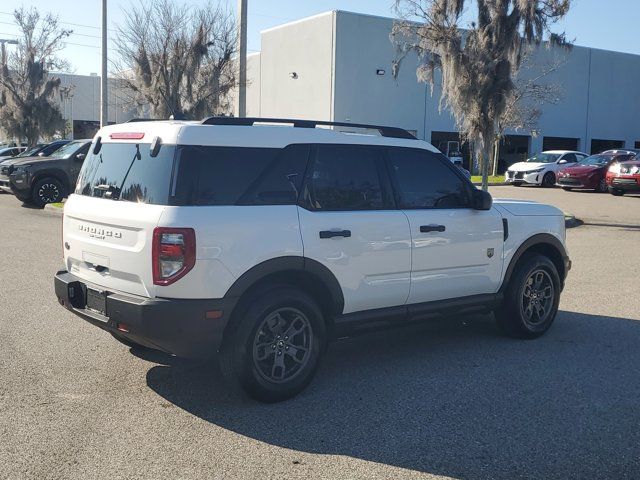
104	99
241	103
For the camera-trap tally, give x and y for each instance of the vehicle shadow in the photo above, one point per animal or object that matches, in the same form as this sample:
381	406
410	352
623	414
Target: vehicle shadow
452	399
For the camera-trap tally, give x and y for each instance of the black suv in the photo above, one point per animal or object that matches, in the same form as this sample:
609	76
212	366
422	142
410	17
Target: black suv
41	180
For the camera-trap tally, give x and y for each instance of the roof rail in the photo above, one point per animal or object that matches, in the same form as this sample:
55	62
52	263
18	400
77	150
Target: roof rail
135	120
392	132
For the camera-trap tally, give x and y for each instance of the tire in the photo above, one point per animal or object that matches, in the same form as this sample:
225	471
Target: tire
616	192
47	190
517	184
602	186
548	180
522	314
269	364
127	342
567	189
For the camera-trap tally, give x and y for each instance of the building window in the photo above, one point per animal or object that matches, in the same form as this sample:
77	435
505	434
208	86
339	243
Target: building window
559	143
598	146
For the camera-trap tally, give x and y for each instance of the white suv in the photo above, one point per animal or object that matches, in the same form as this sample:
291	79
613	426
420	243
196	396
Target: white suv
541	169
263	242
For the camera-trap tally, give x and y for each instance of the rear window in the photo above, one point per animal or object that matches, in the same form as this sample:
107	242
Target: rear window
126	171
202	175
239	176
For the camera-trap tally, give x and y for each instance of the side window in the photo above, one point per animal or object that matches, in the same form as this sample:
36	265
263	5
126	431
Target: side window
570	157
345	177
239	176
423	179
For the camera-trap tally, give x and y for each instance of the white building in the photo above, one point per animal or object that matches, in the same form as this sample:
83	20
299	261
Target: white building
337	66
79	102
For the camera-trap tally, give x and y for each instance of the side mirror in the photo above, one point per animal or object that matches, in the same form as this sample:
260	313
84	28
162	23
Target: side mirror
561	162
482	200
80	157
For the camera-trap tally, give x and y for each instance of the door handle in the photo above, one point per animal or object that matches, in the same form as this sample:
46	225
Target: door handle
335	233
432	228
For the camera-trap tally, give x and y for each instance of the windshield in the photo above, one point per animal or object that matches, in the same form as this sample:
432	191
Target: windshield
31	152
597	160
67	150
544	158
126	171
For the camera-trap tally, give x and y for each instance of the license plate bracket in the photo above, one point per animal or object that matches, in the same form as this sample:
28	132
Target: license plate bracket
97	301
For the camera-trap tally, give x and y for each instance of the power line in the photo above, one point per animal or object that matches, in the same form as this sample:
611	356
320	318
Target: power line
69	23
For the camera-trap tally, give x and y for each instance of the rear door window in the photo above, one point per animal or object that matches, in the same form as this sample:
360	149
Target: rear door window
346	177
126	171
209	175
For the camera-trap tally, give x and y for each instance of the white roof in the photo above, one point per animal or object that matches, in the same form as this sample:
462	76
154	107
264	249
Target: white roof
179	132
560	152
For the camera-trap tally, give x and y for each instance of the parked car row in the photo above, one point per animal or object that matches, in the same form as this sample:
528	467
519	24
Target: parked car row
614	171
45	173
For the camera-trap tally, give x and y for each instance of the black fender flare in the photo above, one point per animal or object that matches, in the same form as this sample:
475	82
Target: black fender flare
288	264
545	239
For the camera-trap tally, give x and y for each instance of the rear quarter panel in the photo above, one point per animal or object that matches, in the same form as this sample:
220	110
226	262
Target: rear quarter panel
229	241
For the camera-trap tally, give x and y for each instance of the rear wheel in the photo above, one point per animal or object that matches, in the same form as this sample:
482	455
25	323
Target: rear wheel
274	349
616	192
549	180
531	299
47	190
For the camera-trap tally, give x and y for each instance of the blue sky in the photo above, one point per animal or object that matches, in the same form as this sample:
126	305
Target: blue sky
611	25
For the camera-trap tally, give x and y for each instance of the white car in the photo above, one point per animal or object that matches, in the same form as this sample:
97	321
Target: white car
541	169
264	242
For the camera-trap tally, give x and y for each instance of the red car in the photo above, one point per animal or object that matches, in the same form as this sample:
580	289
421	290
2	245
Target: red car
624	177
590	173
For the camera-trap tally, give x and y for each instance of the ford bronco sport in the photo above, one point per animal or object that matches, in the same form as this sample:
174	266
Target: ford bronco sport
262	242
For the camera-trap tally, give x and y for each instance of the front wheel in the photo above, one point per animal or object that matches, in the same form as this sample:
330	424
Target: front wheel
274	349
549	180
47	190
567	189
616	192
531	299
602	186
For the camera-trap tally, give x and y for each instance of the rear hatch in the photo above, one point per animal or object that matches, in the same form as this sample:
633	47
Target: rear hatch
108	222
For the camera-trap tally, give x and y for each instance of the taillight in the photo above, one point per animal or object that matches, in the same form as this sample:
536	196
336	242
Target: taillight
174	254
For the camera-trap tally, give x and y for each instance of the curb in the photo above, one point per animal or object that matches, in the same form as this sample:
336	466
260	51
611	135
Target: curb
479	184
53	209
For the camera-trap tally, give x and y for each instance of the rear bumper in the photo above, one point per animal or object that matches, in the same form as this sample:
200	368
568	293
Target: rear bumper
175	326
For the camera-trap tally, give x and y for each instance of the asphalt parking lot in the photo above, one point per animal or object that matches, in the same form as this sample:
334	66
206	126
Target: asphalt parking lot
449	399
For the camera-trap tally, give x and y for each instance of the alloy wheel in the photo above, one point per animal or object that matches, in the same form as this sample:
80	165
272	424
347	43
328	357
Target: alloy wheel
282	345
538	297
49	193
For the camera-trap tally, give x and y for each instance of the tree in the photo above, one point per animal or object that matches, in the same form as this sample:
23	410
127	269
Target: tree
522	108
27	89
477	64
177	59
